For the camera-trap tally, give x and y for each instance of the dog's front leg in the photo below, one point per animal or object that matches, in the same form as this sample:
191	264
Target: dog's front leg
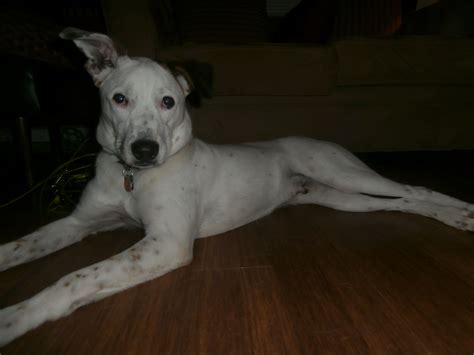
41	242
92	215
161	251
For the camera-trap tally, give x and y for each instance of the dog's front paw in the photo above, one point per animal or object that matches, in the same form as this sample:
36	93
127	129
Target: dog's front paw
465	221
460	218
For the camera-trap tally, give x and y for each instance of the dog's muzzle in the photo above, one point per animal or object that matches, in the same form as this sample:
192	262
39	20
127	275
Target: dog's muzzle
145	151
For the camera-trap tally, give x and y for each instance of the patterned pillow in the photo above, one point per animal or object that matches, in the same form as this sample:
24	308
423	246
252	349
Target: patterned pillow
221	21
30	36
367	17
310	21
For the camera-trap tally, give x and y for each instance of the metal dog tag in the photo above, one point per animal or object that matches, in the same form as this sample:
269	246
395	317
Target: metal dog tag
127	179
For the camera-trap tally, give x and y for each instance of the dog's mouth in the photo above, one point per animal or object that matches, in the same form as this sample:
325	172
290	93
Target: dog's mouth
144	165
136	165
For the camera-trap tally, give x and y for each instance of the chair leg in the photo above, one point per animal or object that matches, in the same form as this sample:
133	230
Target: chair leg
24	147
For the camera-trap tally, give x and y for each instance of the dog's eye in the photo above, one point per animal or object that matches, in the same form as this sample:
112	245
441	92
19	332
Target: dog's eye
167	102
120	99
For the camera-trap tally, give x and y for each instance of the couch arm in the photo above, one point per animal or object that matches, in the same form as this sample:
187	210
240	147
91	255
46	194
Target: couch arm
132	25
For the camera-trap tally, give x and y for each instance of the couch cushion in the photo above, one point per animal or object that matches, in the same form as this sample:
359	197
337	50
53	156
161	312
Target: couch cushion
406	61
266	69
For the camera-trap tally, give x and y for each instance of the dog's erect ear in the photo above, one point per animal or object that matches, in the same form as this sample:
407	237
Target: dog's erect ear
99	50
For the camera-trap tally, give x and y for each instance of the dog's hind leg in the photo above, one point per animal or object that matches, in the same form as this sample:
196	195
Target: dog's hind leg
370	183
332	165
316	193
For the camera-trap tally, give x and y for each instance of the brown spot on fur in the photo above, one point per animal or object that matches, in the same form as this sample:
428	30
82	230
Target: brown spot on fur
135	256
67	284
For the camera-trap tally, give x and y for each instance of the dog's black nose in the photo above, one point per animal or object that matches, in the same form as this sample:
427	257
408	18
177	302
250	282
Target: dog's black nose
145	150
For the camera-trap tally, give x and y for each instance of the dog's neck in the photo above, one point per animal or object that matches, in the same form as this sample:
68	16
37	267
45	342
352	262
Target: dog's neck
182	135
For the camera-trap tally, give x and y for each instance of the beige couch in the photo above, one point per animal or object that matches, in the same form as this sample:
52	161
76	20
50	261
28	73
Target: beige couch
393	94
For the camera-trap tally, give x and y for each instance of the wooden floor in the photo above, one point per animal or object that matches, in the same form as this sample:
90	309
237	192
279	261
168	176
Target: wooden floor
304	280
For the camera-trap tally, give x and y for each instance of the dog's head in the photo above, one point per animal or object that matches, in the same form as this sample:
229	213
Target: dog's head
144	118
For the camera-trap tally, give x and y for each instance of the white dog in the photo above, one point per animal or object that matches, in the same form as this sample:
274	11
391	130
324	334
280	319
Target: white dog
153	174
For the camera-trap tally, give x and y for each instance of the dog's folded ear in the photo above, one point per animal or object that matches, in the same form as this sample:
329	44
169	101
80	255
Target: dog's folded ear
99	49
183	77
195	77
